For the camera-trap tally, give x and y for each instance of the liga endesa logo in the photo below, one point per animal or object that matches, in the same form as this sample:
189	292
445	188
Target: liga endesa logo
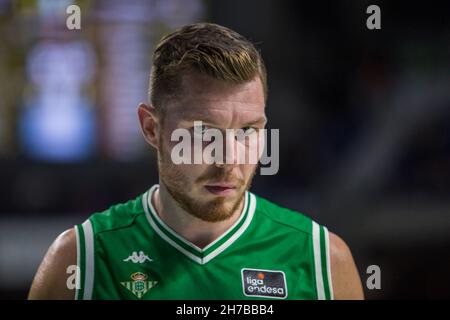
264	283
205	145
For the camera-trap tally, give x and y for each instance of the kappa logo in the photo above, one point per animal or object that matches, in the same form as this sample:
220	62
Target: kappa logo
264	283
135	258
139	285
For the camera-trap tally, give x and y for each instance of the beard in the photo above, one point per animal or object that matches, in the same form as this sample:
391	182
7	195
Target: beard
215	210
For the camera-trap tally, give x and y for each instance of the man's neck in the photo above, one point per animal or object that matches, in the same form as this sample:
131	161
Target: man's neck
199	232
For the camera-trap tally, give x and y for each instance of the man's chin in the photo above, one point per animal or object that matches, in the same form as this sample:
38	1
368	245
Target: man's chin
214	210
220	208
205	205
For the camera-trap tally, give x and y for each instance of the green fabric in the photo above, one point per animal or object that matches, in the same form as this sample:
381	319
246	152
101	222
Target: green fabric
82	255
324	264
267	237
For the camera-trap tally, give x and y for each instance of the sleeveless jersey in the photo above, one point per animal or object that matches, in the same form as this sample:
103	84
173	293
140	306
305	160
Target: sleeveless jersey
270	252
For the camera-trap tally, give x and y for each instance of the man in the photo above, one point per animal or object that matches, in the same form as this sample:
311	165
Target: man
199	233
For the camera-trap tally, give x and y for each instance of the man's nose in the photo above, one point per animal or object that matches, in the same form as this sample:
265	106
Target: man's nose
230	149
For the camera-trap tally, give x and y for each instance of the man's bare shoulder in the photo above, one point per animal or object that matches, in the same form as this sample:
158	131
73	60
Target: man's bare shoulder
50	281
345	276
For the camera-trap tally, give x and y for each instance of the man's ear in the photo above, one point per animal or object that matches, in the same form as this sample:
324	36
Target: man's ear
150	124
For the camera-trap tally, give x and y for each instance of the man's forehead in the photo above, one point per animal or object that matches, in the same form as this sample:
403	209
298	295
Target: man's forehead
206	89
211	106
208	98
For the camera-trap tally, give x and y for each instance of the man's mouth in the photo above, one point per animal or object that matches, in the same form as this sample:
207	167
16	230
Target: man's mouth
221	189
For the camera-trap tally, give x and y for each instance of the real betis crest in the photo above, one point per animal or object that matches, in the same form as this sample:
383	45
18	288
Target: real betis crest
139	286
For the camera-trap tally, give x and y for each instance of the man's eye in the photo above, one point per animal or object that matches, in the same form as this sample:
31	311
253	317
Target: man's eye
244	134
249	130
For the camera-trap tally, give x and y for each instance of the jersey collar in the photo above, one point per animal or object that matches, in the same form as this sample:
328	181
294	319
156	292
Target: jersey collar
199	255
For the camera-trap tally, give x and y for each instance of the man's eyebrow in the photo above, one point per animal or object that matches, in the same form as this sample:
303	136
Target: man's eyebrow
260	120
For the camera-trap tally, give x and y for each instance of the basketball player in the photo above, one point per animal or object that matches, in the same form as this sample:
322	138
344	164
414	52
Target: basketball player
199	233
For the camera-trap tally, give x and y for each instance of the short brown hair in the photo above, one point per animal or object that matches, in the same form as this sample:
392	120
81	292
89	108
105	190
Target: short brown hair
208	49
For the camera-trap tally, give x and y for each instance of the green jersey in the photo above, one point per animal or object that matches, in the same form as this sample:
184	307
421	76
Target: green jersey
128	252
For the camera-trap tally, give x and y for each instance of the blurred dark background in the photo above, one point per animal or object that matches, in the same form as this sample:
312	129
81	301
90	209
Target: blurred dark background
364	119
